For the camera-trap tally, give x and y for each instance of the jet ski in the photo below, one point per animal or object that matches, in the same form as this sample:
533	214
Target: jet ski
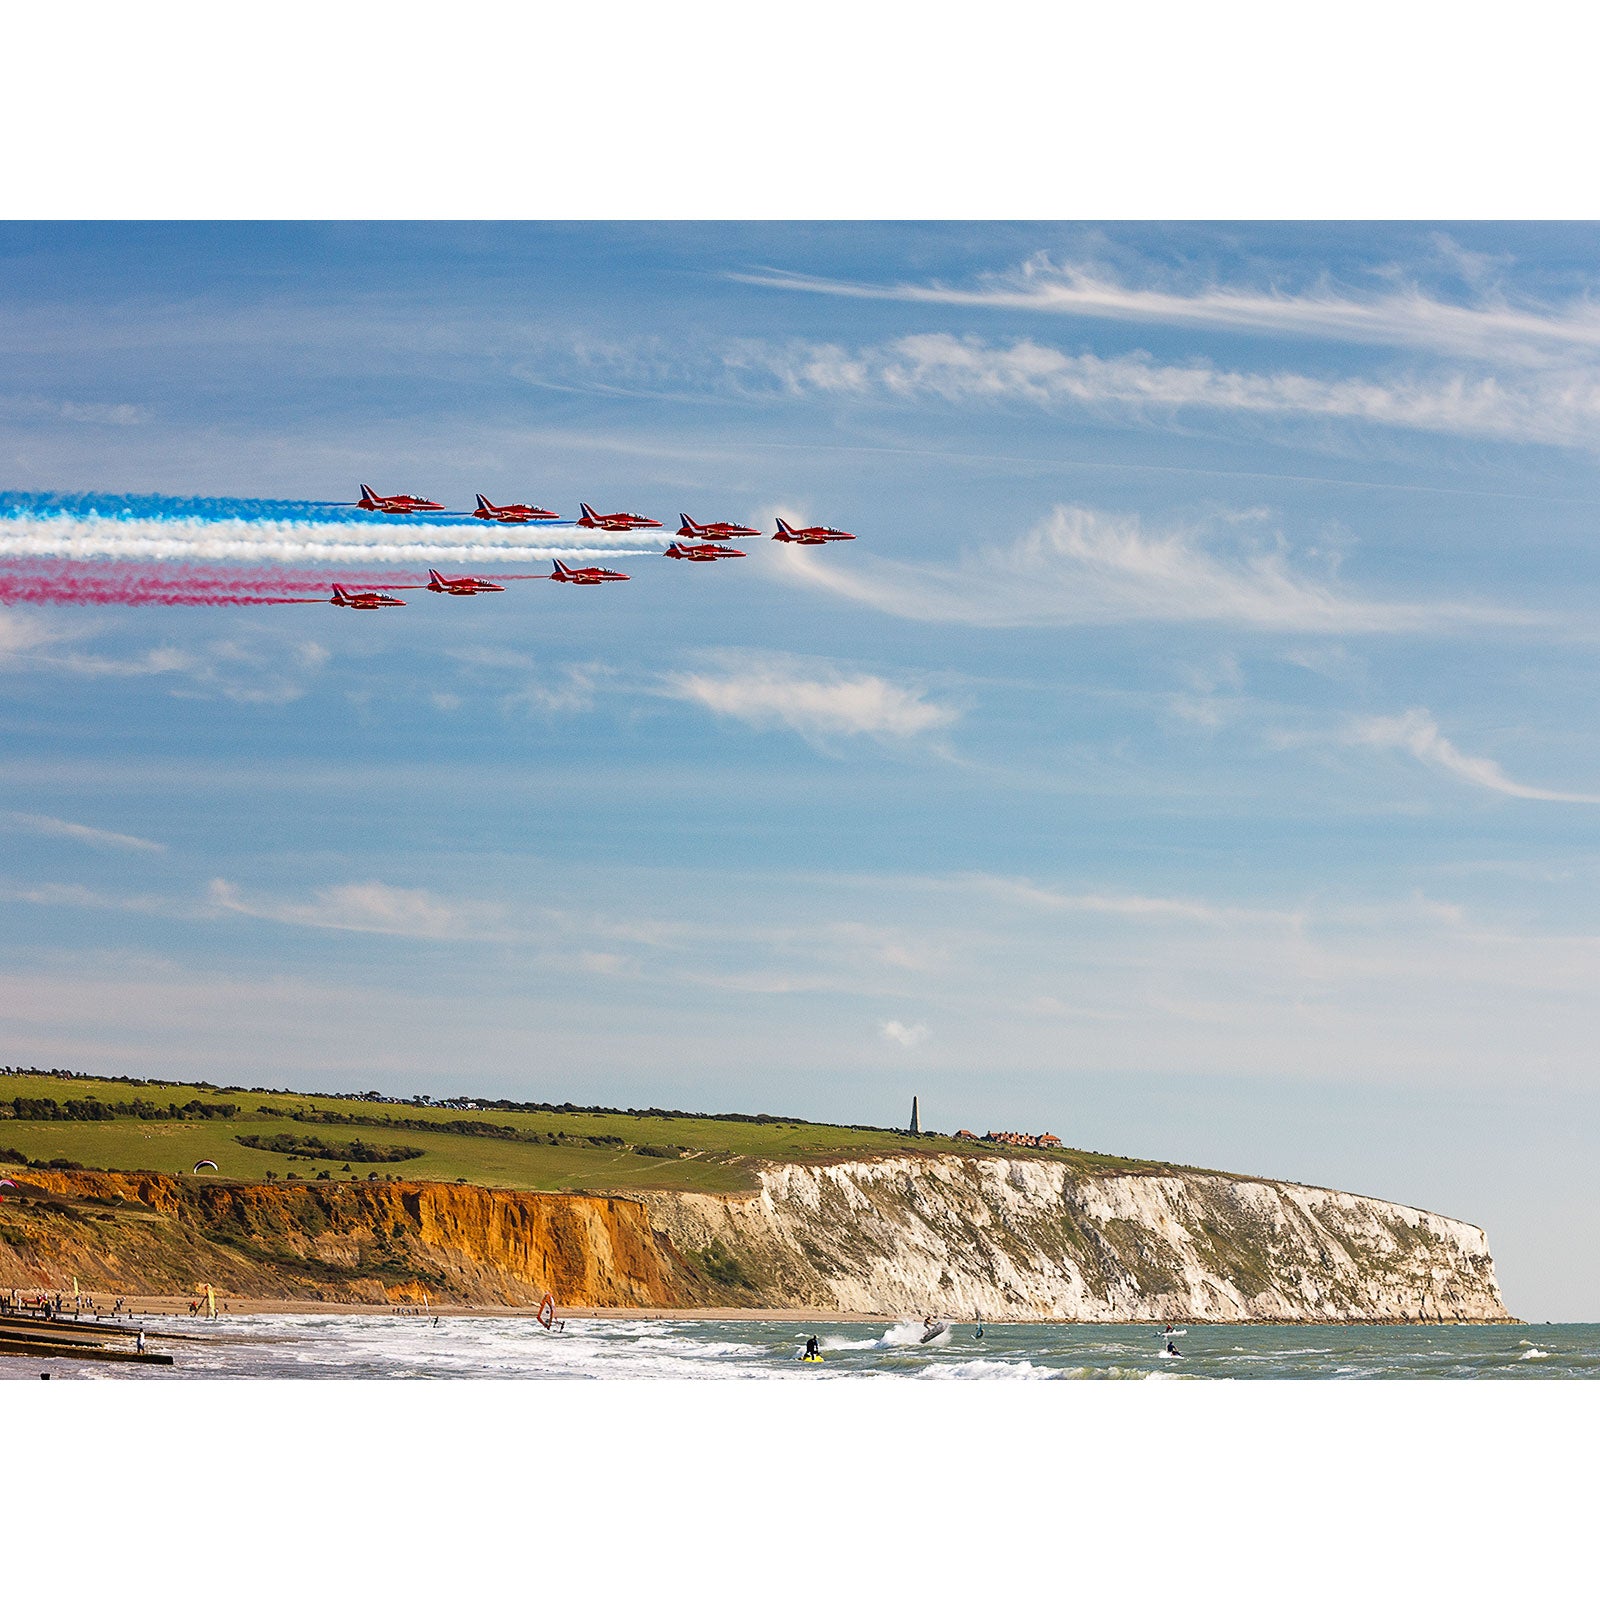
932	1331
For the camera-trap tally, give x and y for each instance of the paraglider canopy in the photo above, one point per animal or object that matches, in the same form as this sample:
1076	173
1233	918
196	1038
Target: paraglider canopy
211	1164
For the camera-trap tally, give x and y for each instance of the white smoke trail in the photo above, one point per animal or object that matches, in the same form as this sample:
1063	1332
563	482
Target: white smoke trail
241	539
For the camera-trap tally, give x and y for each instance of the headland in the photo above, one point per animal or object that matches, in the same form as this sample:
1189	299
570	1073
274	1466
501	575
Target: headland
313	1202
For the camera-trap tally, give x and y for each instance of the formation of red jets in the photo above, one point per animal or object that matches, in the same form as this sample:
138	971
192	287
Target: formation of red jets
694	541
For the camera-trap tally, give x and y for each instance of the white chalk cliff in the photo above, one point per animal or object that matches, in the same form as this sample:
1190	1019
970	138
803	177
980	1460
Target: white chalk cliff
1025	1239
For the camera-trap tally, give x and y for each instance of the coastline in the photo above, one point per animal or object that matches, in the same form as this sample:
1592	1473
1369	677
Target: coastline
889	1239
135	1306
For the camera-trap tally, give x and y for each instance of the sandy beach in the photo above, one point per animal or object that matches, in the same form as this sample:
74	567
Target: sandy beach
135	1306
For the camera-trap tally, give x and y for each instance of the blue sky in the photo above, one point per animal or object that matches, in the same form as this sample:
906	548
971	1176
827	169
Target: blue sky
1193	755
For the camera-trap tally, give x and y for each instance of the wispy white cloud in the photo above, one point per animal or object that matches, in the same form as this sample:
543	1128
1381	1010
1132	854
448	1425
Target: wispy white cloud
1560	407
56	828
573	689
369	908
815	699
80	897
155	662
1082	566
265	672
1041	976
22	635
1491	328
1148	908
1416	733
907	1035
37	408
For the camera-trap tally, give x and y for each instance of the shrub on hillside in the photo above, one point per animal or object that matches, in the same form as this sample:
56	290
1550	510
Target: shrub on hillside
308	1147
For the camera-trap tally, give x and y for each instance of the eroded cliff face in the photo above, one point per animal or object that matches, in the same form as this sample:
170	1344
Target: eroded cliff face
1026	1239
151	1234
1012	1238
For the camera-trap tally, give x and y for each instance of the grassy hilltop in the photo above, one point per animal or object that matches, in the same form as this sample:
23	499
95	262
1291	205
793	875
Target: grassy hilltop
168	1127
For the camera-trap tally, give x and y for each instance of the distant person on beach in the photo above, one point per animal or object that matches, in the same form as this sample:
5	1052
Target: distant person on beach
139	1343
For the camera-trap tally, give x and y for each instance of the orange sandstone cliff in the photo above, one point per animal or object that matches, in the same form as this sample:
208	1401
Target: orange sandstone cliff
146	1233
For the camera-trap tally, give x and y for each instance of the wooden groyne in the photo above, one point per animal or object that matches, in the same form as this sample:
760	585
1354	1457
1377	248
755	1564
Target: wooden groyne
40	1336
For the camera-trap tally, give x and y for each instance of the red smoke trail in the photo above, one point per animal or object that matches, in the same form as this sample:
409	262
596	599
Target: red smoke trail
60	582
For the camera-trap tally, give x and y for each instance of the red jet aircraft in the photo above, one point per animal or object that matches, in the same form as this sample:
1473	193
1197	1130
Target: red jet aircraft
566	574
613	522
439	584
355	599
395	505
690	529
493	513
808	535
700	552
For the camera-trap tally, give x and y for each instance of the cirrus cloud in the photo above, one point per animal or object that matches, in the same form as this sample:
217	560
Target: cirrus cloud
1558	407
1490	327
1416	733
907	1035
367	908
812	698
1083	566
57	828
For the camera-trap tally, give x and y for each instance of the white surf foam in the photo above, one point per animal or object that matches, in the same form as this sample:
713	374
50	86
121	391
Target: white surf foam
984	1368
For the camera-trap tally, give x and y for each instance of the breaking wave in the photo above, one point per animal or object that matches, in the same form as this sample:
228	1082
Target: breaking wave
319	1345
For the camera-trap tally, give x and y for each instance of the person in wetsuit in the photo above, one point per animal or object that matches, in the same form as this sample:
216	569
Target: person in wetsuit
813	1349
1172	1349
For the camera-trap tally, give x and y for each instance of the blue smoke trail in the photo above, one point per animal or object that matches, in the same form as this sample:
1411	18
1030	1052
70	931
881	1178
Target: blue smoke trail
79	527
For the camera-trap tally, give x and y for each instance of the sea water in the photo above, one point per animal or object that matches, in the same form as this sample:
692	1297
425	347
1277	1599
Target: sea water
388	1346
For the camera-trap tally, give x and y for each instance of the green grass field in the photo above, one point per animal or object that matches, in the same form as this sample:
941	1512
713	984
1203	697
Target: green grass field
718	1156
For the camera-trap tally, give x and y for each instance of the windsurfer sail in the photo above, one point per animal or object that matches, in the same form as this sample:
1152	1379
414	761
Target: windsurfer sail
547	1315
